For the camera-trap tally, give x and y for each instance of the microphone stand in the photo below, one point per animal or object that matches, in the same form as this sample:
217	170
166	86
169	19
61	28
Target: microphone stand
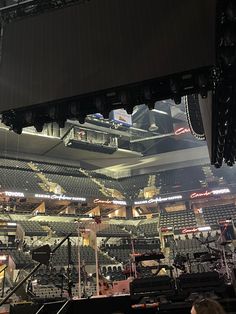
31	273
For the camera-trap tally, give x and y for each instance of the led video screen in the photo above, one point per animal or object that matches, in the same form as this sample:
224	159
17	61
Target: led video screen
102	44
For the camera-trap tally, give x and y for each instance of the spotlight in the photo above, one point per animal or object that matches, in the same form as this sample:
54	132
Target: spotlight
81	118
147	93
61	123
151	105
124	98
38	126
175	88
218	164
129	109
52	112
229	35
228	55
17	129
28	117
202	82
177	99
231	11
73	109
230	163
105	113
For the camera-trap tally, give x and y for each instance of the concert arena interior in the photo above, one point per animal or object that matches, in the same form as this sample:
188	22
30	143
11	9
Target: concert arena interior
117	152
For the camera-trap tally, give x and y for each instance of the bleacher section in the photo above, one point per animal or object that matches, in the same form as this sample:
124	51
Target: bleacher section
134	184
19	180
177	180
149	229
77	186
59	169
32	228
122	252
13	163
21	259
112	230
87	254
63	228
19	175
178	220
215	213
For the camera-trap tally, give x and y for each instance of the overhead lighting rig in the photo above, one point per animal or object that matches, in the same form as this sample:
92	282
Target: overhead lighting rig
147	92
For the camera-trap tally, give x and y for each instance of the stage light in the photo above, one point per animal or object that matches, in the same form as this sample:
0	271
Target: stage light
147	93
218	164
230	163
175	89
81	118
124	99
28	116
129	109
151	105
17	129
39	126
231	10
228	55
61	123
202	82
229	35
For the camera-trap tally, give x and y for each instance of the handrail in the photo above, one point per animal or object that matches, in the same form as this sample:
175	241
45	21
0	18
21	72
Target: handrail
45	307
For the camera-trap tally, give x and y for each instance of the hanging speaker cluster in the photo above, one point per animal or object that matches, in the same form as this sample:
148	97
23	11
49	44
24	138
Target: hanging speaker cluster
194	117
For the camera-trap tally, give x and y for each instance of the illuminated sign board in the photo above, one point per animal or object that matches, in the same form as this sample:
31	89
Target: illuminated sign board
180	131
3	258
159	200
166	229
195	229
14	194
111	202
119	202
60	197
189	230
209	193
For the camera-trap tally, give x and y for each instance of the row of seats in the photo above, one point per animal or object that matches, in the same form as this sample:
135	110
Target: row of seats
77	186
19	180
215	213
59	169
112	230
178	219
23	259
32	228
167	181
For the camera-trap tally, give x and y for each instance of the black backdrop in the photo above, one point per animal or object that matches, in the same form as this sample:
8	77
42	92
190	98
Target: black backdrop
101	44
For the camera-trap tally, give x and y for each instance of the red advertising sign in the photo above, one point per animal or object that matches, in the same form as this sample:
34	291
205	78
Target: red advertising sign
182	130
208	193
189	230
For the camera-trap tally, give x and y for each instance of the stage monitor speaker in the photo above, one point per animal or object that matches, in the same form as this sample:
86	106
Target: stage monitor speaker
42	254
153	286
201	282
